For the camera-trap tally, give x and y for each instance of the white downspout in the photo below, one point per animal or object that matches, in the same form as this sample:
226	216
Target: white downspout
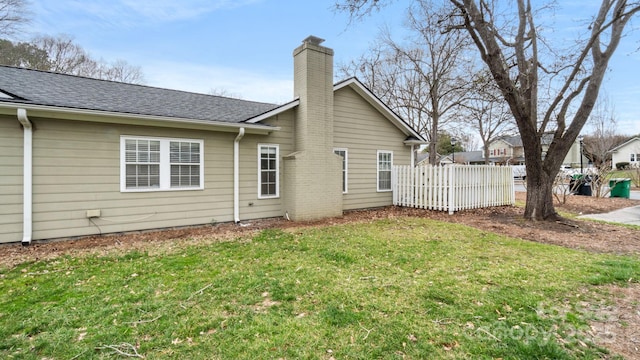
413	154
236	176
27	162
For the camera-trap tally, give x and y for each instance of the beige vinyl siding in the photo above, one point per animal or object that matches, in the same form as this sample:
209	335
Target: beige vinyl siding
77	168
362	130
271	207
11	184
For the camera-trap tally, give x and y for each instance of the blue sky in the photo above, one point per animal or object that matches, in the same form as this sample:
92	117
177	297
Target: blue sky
245	46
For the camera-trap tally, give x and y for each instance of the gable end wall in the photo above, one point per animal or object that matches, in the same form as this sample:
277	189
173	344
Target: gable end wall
362	130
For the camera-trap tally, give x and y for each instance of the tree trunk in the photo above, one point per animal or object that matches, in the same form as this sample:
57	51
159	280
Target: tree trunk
540	197
433	138
485	151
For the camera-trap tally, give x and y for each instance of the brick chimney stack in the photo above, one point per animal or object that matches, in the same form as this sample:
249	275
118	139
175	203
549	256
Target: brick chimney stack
313	173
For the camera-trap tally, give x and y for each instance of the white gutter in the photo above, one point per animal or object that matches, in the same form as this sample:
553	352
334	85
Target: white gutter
27	162
236	175
56	112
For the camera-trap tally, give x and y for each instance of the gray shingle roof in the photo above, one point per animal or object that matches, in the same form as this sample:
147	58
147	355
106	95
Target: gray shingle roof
513	140
470	156
516	140
46	88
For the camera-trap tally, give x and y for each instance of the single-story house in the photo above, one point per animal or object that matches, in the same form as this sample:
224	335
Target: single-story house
629	151
464	158
82	156
422	158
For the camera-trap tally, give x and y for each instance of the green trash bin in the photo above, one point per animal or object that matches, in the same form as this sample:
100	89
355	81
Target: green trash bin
620	188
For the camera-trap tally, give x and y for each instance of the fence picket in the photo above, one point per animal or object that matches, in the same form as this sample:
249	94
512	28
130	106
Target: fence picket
452	188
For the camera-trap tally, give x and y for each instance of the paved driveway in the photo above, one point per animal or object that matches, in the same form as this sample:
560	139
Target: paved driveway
519	186
630	216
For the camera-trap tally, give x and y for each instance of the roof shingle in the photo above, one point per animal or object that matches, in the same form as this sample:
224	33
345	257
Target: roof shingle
68	91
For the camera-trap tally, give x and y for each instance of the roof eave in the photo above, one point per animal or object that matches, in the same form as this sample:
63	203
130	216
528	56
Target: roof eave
615	149
273	112
415	142
54	112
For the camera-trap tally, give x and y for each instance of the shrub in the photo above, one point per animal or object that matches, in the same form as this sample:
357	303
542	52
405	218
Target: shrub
622	165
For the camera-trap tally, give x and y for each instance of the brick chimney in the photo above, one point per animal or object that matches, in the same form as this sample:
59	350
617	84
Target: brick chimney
312	174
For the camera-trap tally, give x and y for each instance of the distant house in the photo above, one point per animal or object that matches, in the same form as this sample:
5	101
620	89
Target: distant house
628	151
508	150
83	156
422	158
464	158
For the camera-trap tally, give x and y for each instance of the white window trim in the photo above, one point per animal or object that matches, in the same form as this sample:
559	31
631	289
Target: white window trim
165	164
277	195
346	168
378	169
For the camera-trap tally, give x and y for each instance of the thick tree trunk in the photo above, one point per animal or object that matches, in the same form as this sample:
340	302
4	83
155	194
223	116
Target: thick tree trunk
541	172
540	197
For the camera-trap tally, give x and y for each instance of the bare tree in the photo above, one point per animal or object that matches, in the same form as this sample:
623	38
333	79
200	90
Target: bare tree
486	111
61	54
65	56
514	61
390	76
222	92
13	14
597	145
603	137
120	71
422	80
512	49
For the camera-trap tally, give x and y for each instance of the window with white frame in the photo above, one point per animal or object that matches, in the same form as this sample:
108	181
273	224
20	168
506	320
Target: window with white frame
160	164
385	160
268	174
185	163
345	164
633	157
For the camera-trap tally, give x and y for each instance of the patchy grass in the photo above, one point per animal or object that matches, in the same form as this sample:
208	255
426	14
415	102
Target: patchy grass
389	289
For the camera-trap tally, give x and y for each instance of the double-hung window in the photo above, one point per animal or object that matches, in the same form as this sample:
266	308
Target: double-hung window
185	164
160	164
385	160
345	164
633	158
268	173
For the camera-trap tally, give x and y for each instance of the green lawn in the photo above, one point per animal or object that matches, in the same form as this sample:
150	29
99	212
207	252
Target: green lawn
390	289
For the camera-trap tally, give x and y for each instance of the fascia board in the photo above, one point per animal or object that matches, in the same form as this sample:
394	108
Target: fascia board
274	112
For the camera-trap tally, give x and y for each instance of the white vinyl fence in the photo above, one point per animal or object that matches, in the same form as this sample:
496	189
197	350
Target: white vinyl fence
452	187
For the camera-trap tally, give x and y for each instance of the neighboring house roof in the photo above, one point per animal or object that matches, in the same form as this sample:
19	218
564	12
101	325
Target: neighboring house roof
513	140
625	144
470	156
67	91
516	140
422	156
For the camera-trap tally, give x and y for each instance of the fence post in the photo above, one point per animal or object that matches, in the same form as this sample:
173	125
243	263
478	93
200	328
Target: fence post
450	195
394	183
